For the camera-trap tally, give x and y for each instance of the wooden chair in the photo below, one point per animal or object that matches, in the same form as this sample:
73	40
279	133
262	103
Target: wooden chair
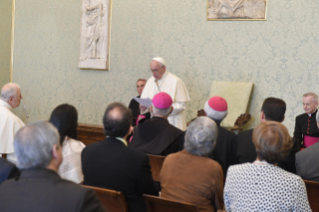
156	163
313	194
113	201
158	204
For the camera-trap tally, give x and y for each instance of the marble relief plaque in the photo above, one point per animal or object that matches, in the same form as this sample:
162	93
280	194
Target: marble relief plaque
95	34
229	10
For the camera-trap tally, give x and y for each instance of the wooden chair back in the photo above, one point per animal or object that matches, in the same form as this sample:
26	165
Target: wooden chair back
90	133
158	204
156	163
113	201
313	194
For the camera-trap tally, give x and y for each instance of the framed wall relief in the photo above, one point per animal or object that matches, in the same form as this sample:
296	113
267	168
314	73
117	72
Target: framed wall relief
95	34
237	10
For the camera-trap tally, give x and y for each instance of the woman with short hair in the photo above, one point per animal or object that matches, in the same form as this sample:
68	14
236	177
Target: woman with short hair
65	118
262	186
189	175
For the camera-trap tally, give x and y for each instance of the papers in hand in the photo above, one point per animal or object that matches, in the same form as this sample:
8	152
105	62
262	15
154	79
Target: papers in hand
147	102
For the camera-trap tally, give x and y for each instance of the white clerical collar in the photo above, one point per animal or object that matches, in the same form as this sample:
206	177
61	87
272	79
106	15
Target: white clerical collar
5	104
309	114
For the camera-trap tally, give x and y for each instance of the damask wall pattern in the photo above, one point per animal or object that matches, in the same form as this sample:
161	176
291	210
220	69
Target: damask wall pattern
5	40
280	55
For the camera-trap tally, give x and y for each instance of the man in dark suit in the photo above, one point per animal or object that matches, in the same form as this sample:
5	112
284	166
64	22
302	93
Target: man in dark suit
111	164
7	170
225	150
39	188
307	160
273	109
156	135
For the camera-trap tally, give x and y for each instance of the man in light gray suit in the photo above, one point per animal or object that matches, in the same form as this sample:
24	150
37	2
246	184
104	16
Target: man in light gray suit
307	161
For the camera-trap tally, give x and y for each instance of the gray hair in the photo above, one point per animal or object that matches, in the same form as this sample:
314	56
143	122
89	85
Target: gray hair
33	145
161	112
314	96
9	90
201	136
214	114
317	117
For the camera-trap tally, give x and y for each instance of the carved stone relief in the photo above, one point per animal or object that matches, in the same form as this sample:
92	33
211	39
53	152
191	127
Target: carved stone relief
236	9
95	34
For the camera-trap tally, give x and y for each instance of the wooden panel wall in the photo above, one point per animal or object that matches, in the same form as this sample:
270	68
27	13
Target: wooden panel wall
89	133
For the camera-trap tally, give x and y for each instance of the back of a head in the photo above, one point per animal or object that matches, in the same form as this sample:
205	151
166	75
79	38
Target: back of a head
9	90
162	103
201	136
216	108
274	109
33	145
117	120
272	141
65	118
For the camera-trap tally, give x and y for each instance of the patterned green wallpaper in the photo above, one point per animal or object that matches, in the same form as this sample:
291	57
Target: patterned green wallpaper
279	55
5	40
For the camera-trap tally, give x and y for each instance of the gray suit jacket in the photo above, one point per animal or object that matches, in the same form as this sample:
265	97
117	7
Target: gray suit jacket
40	190
307	163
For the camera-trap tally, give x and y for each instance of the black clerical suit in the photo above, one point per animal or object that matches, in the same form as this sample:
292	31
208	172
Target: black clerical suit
246	151
305	125
7	170
225	149
43	190
110	164
135	107
156	136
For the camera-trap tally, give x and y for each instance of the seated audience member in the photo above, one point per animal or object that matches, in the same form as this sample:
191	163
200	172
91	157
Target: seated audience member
7	170
307	161
225	149
9	123
39	188
273	109
189	175
111	164
261	185
156	135
134	105
306	131
65	119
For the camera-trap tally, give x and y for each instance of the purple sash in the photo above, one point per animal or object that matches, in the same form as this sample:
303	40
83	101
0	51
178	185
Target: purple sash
309	140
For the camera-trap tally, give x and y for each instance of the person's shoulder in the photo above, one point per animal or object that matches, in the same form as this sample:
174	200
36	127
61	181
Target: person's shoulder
244	135
227	132
302	116
308	152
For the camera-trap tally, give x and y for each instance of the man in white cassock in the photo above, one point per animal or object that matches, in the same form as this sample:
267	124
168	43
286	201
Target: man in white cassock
164	81
9	123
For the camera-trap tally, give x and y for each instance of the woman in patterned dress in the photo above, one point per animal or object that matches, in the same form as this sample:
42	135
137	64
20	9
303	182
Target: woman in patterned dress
262	186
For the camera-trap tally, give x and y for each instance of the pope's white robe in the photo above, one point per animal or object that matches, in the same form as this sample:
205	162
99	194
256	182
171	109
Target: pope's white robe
9	126
175	87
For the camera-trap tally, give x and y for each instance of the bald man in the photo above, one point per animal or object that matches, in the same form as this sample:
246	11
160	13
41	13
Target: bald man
164	81
9	123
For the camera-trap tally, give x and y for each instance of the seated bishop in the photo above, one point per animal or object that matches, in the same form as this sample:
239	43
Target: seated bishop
156	135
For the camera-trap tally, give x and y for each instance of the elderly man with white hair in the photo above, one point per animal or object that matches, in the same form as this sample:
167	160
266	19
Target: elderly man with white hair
39	187
307	159
9	123
164	81
189	175
225	150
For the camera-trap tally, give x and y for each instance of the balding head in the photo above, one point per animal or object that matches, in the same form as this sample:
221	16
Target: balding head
117	120
11	94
